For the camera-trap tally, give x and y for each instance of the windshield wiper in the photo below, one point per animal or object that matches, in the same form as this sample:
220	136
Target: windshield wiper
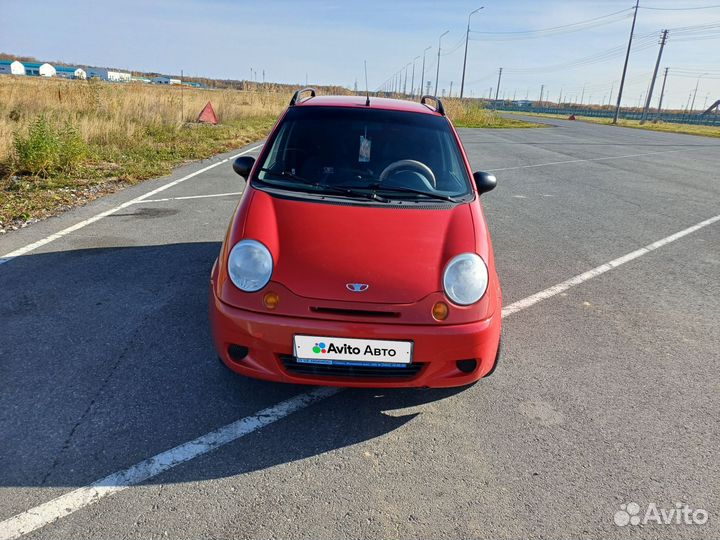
403	189
317	187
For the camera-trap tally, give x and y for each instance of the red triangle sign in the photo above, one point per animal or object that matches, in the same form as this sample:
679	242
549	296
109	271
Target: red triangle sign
207	115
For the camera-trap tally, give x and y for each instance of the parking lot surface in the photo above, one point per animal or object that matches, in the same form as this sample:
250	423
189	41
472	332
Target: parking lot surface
607	393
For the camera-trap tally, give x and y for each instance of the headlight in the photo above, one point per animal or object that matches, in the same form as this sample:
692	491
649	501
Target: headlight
250	265
465	279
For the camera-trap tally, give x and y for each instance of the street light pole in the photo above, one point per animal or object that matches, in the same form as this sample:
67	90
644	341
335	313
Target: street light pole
467	38
412	79
422	76
437	73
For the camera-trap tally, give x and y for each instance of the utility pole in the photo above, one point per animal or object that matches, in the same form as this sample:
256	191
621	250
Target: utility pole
582	96
560	97
692	107
662	92
467	38
412	79
490	93
542	90
627	57
437	73
422	76
405	83
497	90
612	88
663	40
450	94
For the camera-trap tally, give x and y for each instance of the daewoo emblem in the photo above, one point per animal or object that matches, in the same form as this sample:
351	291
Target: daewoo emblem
357	287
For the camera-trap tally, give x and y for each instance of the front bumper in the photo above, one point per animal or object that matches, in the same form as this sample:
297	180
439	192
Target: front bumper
269	342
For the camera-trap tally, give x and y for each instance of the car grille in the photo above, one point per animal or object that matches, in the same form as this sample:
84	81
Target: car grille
323	370
354	312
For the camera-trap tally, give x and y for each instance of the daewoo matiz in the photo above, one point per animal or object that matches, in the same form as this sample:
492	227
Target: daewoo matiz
359	254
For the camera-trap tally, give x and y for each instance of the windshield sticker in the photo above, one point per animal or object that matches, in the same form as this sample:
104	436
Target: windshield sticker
365	144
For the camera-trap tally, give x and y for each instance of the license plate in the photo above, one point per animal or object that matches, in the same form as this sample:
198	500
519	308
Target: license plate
352	352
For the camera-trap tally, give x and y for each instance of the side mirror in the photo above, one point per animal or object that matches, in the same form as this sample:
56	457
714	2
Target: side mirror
484	181
243	165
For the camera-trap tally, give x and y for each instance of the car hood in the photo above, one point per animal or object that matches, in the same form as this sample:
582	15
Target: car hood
319	247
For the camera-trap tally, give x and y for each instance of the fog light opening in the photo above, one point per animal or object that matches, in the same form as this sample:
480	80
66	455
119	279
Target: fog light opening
440	311
271	300
237	353
467	366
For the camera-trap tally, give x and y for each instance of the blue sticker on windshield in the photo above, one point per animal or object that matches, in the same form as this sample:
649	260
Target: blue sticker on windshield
365	145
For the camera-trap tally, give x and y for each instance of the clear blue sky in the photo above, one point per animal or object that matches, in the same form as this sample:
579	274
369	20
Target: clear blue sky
328	41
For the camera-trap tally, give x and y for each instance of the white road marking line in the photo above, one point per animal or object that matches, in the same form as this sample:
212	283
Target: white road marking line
595	272
190	197
56	236
69	503
585	160
65	505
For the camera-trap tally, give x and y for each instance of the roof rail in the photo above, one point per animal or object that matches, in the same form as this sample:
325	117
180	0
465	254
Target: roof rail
438	104
296	95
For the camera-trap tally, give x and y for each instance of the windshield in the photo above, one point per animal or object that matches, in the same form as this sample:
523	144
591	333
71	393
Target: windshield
366	153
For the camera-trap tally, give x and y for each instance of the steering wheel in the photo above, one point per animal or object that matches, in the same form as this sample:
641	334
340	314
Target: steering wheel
409	164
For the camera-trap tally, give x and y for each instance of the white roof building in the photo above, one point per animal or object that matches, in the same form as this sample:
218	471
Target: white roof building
67	72
108	75
166	80
12	67
118	76
38	69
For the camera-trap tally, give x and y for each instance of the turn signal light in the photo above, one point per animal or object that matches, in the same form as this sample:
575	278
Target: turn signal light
271	300
440	311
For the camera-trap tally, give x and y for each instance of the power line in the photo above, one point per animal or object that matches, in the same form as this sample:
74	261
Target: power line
680	9
642	43
555	30
454	47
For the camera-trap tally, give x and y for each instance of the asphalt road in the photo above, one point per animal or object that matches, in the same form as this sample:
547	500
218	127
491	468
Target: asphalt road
608	393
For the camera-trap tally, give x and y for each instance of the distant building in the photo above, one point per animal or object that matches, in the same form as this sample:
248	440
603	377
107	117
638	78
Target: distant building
166	80
195	84
118	76
12	67
108	75
36	69
141	79
523	103
70	72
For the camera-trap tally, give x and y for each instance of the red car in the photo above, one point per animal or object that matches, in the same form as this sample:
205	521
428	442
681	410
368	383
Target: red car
359	254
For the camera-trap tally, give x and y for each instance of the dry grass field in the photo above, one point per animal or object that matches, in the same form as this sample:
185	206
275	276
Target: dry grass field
471	114
65	142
